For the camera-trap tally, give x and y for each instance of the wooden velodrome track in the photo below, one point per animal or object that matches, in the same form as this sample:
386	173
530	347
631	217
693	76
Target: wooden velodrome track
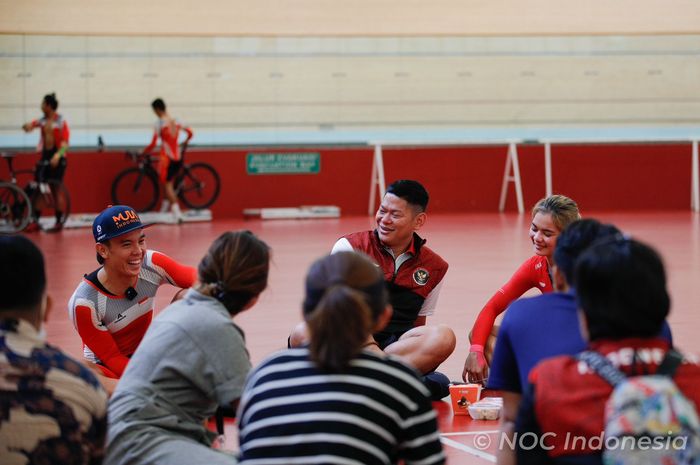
482	249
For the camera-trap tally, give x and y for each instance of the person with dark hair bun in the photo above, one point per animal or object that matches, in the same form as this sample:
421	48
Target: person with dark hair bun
53	146
623	300
339	400
192	360
414	274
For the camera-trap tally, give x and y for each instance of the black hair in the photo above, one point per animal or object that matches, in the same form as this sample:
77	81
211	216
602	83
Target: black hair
576	238
22	274
101	260
50	100
345	295
235	269
411	191
621	288
158	104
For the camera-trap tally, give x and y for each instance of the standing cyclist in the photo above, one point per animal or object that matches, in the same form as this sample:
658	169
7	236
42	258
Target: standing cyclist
168	130
53	146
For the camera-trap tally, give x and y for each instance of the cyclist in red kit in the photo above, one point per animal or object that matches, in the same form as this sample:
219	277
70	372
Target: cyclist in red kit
113	306
549	217
53	145
168	131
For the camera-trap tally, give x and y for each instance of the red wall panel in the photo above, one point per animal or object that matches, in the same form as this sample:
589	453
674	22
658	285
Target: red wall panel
459	179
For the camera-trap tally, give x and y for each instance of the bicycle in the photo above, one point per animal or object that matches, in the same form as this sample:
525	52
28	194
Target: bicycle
19	206
15	210
197	185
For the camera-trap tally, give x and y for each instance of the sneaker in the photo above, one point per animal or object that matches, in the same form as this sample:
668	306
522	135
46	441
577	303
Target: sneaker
177	213
437	383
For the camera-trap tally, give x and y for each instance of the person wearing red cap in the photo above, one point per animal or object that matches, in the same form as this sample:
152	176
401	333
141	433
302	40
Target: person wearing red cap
113	306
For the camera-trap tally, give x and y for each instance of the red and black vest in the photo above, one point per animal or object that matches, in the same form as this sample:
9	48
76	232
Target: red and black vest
410	284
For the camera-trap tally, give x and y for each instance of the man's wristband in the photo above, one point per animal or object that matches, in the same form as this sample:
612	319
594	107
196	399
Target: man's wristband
476	348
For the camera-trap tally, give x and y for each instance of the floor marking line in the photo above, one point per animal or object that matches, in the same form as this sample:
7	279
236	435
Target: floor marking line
469	433
470	450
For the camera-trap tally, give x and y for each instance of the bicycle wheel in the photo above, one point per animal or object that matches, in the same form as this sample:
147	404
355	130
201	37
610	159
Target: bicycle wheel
15	209
136	188
198	185
51	204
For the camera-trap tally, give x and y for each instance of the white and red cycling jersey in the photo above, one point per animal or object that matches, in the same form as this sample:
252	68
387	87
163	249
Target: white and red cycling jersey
54	132
112	326
168	130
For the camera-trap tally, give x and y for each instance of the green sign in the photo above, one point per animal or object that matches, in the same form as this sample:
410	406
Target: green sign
283	163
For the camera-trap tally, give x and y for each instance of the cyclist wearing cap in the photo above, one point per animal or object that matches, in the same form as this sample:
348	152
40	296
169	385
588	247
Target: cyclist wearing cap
113	306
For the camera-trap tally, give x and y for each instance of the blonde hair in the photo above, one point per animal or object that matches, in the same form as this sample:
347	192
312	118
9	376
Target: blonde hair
563	210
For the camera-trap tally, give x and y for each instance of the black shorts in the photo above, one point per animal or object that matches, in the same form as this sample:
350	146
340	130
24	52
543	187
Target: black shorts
384	339
45	172
173	168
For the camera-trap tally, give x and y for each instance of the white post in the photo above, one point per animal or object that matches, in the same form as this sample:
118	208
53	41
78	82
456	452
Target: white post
695	180
380	175
516	176
504	185
377	181
548	168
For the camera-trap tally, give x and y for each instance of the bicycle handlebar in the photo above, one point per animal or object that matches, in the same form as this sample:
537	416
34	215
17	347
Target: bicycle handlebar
138	157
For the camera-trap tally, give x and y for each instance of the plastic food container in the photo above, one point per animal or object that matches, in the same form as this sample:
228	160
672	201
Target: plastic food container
464	395
488	408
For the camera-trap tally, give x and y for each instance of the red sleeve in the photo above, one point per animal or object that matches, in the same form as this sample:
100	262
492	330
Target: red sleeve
521	281
177	274
152	145
65	133
189	133
99	341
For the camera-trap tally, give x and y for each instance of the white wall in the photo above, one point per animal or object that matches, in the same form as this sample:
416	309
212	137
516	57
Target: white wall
350	17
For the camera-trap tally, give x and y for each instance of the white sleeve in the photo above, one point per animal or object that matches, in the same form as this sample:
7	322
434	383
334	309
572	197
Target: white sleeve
342	245
430	302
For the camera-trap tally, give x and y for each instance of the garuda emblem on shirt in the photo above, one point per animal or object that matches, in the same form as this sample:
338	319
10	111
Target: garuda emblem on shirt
421	276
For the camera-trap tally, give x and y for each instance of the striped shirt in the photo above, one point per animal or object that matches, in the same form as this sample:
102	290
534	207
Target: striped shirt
376	412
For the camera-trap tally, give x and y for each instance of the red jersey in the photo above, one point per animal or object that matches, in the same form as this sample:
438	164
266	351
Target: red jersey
533	273
168	130
568	398
54	132
112	326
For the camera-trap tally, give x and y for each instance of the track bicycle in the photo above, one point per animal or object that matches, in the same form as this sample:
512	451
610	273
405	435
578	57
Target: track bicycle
45	201
197	184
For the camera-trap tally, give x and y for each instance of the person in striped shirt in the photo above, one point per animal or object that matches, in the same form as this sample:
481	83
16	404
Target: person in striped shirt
339	399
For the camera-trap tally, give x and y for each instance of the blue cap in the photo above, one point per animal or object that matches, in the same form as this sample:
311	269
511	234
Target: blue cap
115	221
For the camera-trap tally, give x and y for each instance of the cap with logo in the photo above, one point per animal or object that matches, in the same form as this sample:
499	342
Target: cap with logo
115	221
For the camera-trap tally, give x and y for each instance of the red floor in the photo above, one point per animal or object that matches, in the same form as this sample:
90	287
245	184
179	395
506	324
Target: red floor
482	249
